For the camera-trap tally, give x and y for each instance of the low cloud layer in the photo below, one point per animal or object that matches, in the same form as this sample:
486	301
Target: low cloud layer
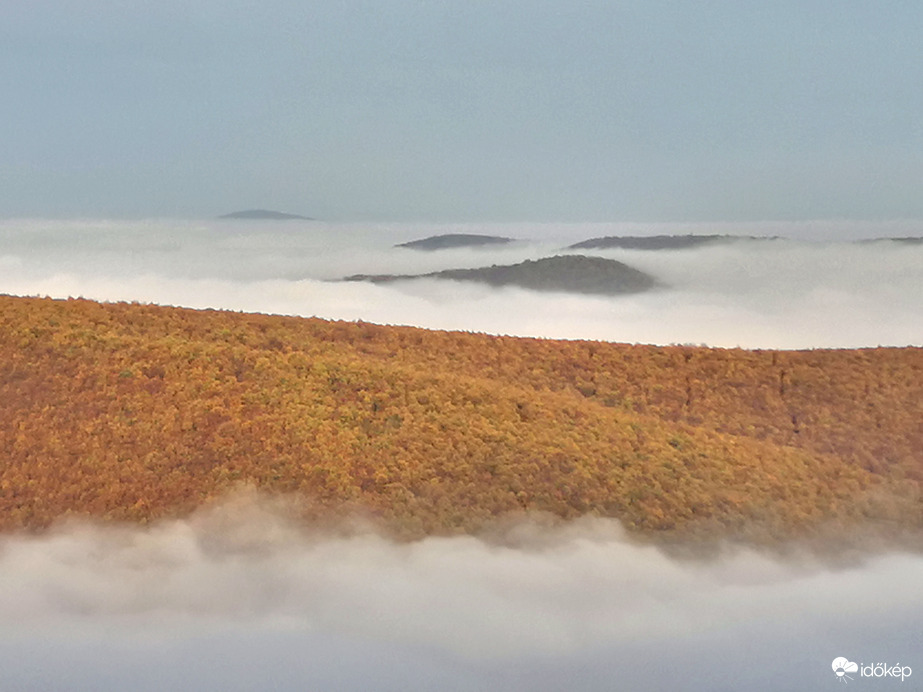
817	290
240	598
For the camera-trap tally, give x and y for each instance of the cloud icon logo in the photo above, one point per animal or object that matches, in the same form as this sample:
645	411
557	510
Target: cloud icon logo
842	666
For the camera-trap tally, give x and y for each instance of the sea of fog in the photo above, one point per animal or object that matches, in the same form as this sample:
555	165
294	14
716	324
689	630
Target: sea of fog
818	288
242	598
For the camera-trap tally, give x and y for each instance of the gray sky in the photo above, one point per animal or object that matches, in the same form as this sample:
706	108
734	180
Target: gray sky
462	110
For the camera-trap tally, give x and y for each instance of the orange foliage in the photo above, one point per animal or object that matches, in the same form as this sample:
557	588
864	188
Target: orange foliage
136	412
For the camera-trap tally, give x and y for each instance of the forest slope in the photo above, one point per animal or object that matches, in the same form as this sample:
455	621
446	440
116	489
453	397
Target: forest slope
133	412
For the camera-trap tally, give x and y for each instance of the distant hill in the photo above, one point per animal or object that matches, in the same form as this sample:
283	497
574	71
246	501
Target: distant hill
454	240
132	412
263	214
909	240
569	273
659	242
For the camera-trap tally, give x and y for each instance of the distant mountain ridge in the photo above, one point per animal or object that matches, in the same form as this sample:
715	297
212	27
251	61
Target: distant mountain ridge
265	214
660	242
907	240
567	273
455	240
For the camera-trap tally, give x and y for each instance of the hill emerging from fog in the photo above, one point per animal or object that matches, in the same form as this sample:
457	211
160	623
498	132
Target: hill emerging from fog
566	273
447	241
907	240
133	412
264	215
660	242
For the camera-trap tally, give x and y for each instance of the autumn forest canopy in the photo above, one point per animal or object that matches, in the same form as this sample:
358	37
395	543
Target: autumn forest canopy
135	412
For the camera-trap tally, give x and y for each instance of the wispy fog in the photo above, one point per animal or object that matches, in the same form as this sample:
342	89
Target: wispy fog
240	598
818	289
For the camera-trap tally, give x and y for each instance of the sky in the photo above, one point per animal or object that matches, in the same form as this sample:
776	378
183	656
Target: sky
459	110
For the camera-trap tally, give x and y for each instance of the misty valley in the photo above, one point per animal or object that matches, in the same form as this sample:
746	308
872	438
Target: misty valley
461	346
495	457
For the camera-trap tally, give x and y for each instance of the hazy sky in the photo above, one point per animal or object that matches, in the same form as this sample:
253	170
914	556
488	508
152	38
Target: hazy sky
463	110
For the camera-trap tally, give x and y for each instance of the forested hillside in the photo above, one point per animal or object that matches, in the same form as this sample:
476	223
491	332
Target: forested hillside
133	412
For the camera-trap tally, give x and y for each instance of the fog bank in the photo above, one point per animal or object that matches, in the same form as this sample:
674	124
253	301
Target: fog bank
241	598
816	290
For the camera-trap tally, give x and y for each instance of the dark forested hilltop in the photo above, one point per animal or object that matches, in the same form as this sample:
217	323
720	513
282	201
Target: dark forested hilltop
660	242
567	273
133	412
